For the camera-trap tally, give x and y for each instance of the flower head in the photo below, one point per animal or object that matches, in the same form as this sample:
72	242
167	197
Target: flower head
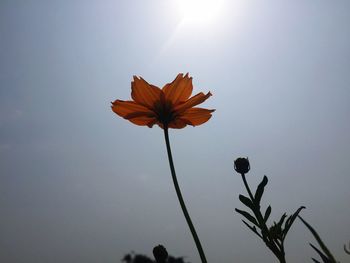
242	165
169	107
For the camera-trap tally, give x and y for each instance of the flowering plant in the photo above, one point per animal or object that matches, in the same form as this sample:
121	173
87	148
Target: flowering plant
169	107
173	107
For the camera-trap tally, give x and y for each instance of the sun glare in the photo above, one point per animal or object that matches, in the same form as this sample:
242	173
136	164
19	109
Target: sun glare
199	11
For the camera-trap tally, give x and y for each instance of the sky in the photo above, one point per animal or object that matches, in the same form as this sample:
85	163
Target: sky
80	184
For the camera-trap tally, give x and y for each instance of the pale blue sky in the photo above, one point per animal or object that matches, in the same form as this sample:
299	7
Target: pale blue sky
80	184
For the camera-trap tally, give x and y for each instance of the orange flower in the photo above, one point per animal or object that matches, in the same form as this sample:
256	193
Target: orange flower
169	107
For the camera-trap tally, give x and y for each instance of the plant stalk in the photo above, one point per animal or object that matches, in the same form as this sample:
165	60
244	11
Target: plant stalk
181	200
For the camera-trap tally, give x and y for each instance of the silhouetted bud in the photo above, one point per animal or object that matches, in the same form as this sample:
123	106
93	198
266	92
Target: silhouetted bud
160	254
242	165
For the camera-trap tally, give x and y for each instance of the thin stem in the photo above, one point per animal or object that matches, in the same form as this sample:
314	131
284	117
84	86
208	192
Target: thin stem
179	196
247	187
282	257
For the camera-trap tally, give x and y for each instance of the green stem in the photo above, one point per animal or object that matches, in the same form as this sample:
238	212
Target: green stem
179	196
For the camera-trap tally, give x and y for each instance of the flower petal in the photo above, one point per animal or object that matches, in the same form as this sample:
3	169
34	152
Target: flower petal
144	93
134	112
143	121
193	101
179	90
125	108
196	116
177	124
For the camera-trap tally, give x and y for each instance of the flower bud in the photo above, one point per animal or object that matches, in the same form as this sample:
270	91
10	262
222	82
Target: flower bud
160	254
242	165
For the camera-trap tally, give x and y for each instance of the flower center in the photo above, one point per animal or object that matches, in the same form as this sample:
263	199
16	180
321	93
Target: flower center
164	111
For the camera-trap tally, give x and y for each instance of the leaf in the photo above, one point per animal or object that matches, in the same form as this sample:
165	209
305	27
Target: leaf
260	190
316	261
253	228
279	224
267	213
319	240
323	256
248	216
246	201
290	221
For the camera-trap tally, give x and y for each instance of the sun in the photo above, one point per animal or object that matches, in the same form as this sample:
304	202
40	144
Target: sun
199	11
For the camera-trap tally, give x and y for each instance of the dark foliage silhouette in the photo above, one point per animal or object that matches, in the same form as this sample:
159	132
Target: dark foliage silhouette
325	254
274	235
130	258
160	254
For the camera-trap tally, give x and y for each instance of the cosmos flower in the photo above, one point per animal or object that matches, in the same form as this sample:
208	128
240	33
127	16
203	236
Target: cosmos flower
169	107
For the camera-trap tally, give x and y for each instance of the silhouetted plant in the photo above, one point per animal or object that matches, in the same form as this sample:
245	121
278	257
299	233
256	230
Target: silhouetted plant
274	235
173	107
160	254
130	258
325	254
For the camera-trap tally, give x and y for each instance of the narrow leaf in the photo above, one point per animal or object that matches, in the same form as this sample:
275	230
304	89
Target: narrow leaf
323	256
248	216
316	261
267	213
281	220
290	221
253	228
260	190
246	201
319	240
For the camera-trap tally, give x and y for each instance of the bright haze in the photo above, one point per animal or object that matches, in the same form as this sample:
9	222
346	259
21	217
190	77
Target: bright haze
80	184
